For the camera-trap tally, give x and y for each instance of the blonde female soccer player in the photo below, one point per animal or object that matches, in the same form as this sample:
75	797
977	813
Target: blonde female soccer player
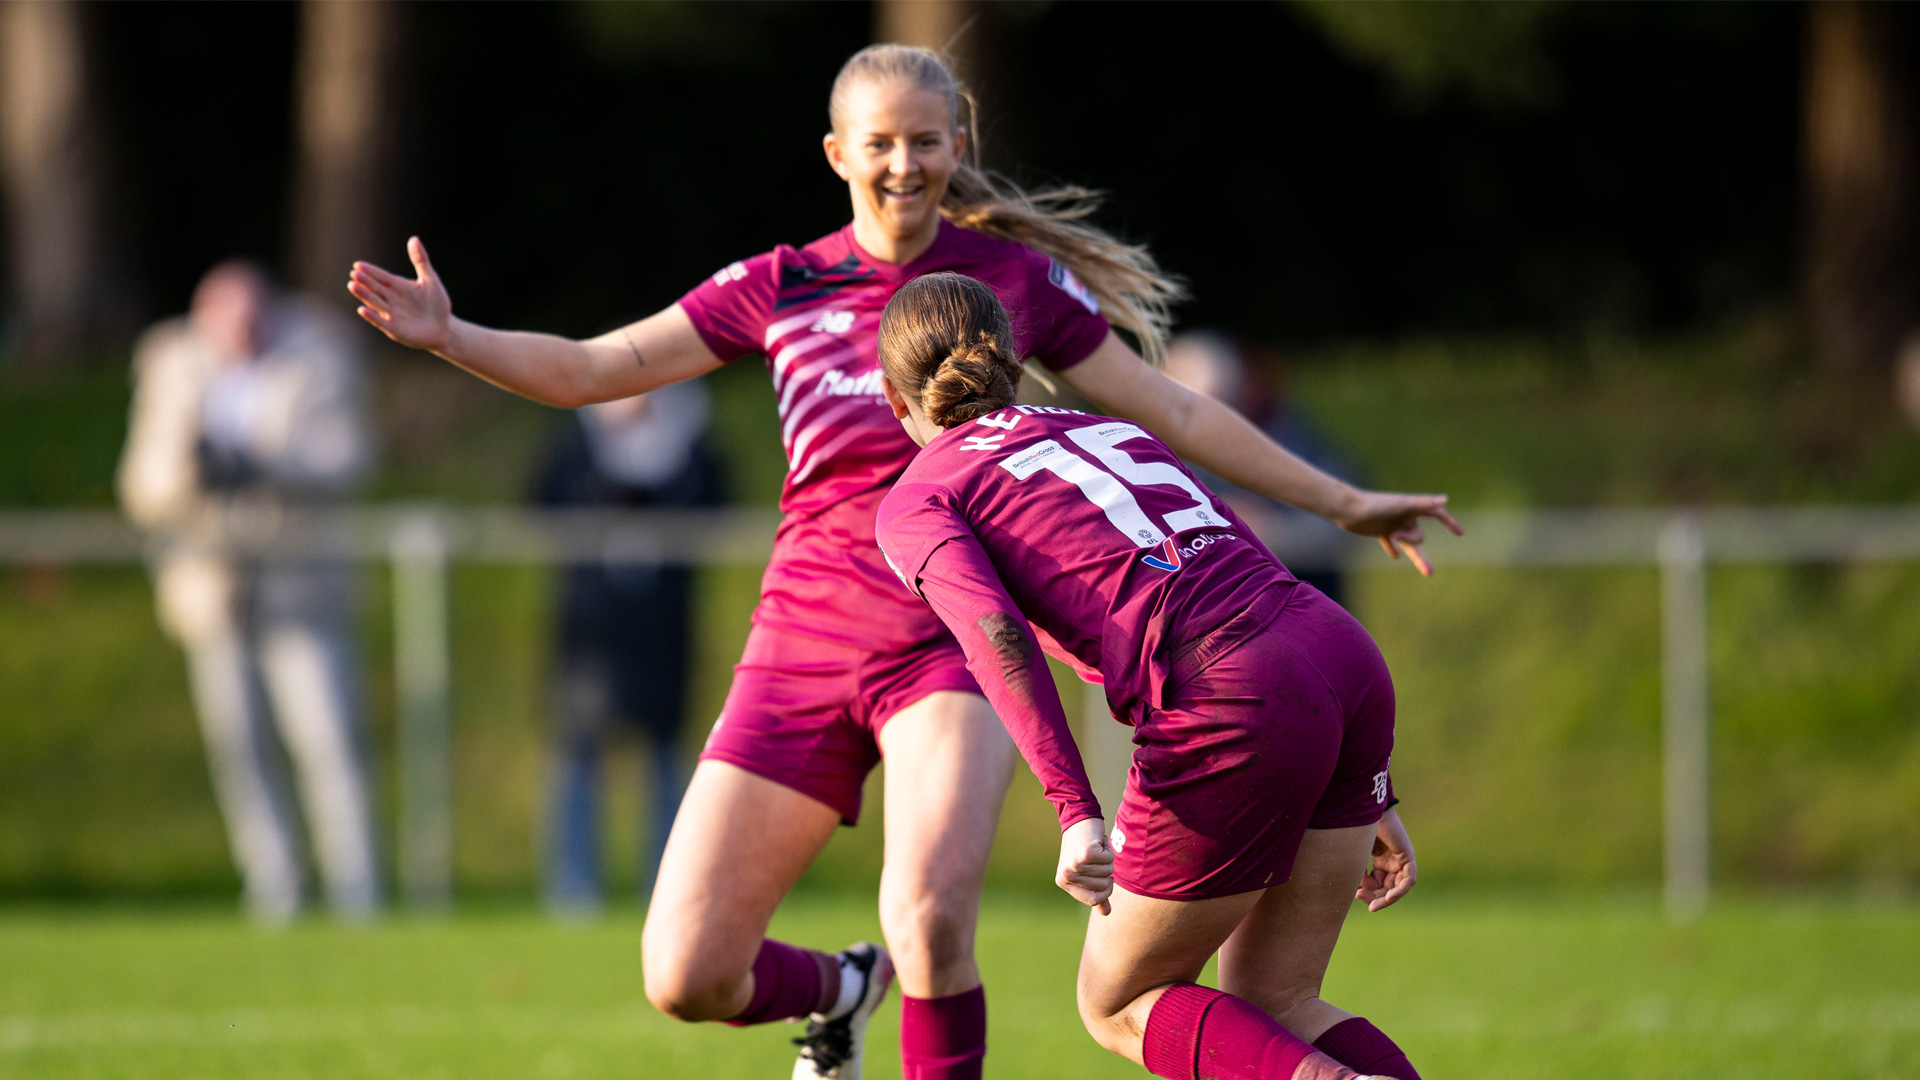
842	668
1262	712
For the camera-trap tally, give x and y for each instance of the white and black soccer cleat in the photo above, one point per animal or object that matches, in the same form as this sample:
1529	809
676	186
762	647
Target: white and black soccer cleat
835	1049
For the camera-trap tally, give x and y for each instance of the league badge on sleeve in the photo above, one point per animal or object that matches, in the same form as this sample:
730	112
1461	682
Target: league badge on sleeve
1070	285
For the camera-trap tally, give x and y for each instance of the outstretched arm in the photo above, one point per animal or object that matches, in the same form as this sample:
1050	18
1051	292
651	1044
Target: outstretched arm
1222	441
659	349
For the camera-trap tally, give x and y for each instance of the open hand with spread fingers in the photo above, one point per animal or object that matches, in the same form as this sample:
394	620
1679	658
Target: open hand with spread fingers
416	311
1394	520
1086	864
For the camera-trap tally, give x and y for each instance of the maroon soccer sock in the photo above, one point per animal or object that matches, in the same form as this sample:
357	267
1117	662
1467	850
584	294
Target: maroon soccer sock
790	982
1195	1033
1359	1045
943	1038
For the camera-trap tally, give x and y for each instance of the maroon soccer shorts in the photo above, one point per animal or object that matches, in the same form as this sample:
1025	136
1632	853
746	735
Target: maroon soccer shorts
1290	728
807	713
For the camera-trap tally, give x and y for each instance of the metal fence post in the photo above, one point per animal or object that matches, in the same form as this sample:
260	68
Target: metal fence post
421	675
1686	760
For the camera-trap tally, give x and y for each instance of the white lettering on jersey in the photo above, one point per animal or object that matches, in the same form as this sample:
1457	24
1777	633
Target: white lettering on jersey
1063	277
1047	410
733	272
833	322
988	421
1023	465
1101	440
983	442
838	383
1203	541
1101	489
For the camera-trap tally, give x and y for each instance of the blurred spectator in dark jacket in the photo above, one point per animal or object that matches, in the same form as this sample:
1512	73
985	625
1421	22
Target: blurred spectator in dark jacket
624	628
1218	366
248	407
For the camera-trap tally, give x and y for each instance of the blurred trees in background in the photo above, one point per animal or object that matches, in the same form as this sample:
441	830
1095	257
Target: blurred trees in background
1861	241
347	114
53	160
1319	170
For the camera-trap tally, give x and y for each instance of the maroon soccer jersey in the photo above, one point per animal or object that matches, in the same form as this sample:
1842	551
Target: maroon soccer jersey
814	313
1093	530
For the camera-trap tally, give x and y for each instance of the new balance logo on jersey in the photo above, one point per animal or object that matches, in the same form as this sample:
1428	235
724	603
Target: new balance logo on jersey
984	442
1380	786
833	322
732	273
1165	557
840	384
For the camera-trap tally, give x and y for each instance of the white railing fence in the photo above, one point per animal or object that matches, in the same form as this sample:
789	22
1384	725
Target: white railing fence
420	541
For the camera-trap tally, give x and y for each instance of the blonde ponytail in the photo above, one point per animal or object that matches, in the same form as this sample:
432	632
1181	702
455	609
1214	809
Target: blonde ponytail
1134	293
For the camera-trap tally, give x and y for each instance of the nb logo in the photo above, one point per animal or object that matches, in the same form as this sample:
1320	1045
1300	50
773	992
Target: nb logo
1380	786
732	273
1117	840
833	322
983	442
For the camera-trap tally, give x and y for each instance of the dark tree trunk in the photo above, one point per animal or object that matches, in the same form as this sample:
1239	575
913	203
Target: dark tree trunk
64	295
1859	159
344	114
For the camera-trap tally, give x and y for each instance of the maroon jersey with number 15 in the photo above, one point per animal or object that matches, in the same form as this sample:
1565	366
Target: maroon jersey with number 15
1094	532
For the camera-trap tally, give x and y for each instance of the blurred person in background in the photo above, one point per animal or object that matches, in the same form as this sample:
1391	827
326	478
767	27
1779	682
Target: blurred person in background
1212	363
624	628
248	406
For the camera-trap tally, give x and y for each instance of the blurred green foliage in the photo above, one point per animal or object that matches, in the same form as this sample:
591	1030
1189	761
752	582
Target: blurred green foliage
1529	712
1492	51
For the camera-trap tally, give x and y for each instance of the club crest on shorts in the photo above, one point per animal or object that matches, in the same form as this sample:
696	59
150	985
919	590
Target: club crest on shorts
1165	557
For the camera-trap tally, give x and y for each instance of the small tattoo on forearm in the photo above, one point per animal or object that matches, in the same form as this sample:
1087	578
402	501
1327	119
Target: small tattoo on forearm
637	358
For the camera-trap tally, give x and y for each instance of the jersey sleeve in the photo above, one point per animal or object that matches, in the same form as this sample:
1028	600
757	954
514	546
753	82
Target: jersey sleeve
730	310
1064	315
940	559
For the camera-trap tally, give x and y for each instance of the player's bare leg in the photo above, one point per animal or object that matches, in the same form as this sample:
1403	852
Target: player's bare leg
1278	956
1148	949
738	844
949	763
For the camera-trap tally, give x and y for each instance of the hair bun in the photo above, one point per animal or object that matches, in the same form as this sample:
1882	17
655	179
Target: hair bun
976	378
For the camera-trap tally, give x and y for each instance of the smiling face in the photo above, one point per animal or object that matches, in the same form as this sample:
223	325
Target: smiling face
896	148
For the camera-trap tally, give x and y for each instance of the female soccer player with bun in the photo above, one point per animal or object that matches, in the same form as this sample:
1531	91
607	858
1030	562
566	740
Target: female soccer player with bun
842	667
1262	712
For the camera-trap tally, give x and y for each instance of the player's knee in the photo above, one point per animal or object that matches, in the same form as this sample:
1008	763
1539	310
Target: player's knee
928	933
685	986
1108	1027
688	996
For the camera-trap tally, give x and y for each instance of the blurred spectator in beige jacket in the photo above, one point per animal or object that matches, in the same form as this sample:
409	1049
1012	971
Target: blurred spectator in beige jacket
247	407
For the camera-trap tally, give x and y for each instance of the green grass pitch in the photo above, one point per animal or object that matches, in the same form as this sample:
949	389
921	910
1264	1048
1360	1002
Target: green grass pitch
1471	986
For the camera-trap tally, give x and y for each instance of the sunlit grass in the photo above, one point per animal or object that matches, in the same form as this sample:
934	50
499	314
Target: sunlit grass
1471	985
